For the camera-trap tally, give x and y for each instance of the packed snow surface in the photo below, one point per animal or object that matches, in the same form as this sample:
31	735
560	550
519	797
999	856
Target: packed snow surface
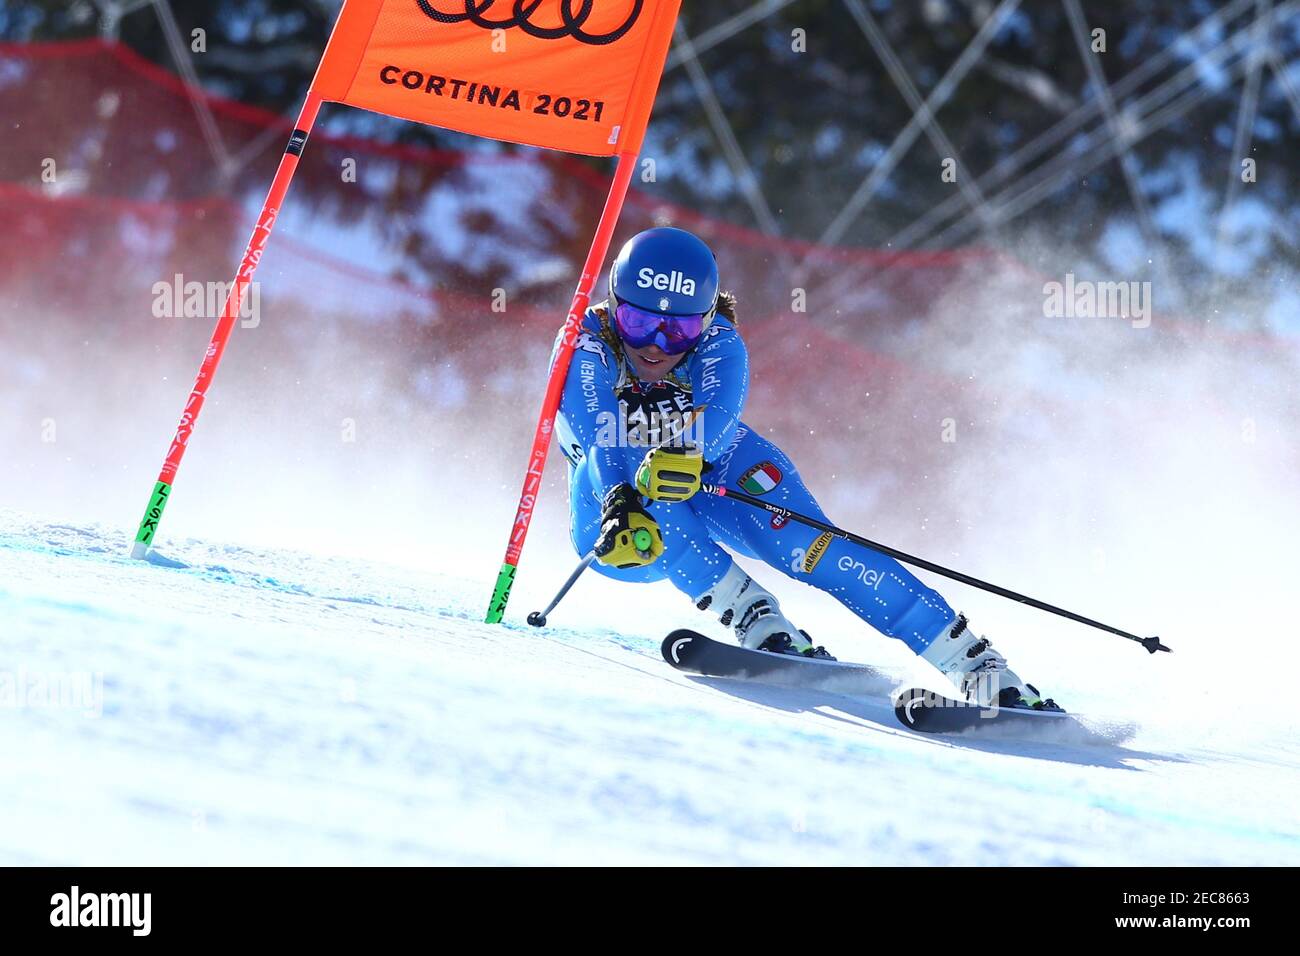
222	704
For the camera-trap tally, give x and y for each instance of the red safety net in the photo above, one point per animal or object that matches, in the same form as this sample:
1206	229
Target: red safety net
450	264
432	282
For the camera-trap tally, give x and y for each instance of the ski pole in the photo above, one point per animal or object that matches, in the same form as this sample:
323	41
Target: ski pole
1152	644
538	618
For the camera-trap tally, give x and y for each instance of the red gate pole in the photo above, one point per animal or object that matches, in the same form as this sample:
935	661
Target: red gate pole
225	324
555	384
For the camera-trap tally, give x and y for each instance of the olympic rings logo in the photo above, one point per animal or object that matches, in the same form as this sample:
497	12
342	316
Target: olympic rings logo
522	13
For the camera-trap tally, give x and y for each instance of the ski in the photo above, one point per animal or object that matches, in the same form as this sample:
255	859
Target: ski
917	709
694	653
931	713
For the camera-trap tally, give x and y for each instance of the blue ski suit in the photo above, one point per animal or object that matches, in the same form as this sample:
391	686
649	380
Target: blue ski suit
608	419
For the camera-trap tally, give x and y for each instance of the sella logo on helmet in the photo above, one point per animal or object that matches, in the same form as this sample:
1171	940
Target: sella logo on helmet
522	14
673	281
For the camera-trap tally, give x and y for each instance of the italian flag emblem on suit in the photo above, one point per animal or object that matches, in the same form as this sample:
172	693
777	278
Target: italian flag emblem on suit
761	479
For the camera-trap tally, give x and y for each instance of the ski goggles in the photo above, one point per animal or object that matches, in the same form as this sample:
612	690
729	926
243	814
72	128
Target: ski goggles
674	334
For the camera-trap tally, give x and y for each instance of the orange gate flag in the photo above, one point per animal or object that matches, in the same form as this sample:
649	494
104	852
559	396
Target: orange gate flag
573	75
578	76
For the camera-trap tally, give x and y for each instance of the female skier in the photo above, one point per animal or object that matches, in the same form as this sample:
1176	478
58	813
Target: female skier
652	401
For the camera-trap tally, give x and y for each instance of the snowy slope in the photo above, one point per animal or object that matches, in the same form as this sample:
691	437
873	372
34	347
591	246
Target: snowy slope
268	706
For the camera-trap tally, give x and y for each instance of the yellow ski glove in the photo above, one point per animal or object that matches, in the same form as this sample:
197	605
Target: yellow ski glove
670	473
629	536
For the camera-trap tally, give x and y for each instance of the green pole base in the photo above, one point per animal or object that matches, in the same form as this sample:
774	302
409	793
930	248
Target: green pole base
501	594
144	535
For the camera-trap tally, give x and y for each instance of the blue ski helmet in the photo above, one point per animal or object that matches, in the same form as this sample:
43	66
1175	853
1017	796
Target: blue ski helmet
666	270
